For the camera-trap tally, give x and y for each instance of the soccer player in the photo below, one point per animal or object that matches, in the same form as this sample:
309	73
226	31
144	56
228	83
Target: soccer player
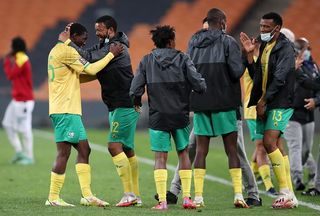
18	116
272	93
260	161
249	180
65	68
217	57
170	76
115	80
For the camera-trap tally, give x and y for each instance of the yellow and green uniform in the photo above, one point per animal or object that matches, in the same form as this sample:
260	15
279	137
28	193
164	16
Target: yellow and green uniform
276	119
123	123
161	140
250	113
64	68
214	123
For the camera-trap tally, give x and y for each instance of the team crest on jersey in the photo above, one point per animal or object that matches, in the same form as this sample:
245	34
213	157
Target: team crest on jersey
83	61
71	134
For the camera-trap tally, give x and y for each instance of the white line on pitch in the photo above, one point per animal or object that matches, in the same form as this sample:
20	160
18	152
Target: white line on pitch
100	148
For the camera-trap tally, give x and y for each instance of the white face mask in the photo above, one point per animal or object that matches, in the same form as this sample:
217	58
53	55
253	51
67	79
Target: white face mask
224	29
266	37
306	55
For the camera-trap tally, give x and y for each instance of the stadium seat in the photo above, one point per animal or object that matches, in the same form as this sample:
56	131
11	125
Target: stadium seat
301	17
186	18
30	19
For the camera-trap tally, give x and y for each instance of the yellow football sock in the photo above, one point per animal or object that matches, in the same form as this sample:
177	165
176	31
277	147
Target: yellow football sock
236	177
198	181
124	171
56	184
135	175
264	171
288	174
84	175
160	177
279	168
254	167
185	176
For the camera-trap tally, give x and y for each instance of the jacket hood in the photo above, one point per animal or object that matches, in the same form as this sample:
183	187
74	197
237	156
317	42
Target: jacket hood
204	38
165	56
122	38
282	41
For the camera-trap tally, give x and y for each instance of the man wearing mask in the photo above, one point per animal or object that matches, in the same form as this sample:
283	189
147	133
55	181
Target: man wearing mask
272	93
115	80
300	131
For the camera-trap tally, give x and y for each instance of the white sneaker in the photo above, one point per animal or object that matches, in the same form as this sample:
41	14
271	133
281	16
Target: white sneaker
284	200
239	201
128	199
295	201
93	201
198	200
58	202
139	202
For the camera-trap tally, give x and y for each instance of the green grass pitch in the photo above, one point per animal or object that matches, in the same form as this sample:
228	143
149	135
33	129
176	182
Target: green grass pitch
24	189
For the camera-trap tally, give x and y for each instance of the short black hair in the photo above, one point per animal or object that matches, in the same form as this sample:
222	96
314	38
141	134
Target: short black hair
204	20
18	44
215	16
277	19
162	35
109	22
78	29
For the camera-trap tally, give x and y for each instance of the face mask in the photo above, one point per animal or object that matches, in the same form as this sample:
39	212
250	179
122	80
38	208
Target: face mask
266	37
306	55
106	40
224	30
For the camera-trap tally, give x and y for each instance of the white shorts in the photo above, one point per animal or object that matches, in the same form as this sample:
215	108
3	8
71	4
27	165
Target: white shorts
18	115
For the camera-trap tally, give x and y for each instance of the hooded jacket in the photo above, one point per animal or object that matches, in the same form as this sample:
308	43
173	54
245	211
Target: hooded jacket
281	76
217	57
170	76
115	79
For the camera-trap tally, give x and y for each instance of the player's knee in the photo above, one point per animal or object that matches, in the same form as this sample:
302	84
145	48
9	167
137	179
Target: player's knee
63	156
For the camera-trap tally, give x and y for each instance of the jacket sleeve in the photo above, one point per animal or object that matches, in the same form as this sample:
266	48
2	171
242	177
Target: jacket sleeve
317	98
306	82
285	64
247	65
234	60
92	54
138	83
194	78
11	69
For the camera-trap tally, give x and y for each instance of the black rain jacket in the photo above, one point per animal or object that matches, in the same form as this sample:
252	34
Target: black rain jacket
115	79
217	57
170	76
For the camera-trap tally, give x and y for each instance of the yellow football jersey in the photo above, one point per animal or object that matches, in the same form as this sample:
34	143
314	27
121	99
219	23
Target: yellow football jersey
64	68
249	113
264	64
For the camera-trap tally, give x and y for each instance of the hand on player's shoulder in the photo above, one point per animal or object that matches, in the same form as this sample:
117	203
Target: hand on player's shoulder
116	48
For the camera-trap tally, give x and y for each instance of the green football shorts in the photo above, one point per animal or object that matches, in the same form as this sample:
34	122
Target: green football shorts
161	140
214	124
252	125
68	128
123	122
276	119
